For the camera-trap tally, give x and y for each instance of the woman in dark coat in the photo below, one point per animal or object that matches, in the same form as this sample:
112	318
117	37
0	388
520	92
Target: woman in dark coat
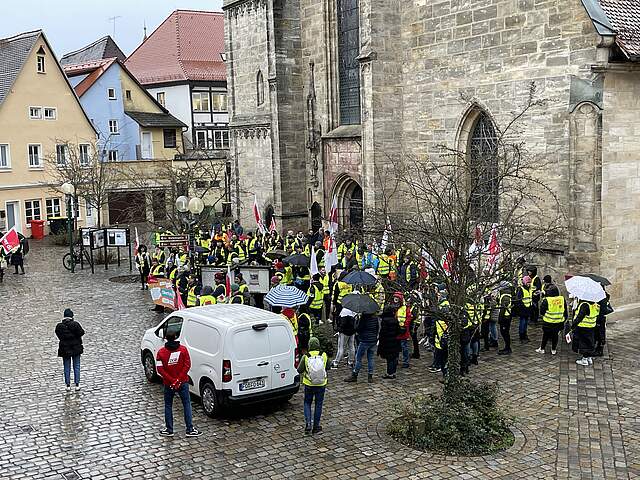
389	346
70	333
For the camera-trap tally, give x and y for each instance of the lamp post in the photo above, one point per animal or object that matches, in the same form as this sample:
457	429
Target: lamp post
194	206
68	189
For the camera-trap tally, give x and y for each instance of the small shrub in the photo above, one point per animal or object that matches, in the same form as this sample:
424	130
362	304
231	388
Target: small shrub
464	421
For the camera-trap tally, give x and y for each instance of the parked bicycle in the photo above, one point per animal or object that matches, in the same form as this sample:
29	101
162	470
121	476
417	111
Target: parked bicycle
78	254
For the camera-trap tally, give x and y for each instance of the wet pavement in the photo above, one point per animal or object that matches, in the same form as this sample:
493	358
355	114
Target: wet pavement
571	422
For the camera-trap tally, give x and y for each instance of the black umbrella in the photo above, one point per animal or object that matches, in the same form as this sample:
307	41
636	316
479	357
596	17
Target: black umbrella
360	278
298	260
275	254
598	278
360	303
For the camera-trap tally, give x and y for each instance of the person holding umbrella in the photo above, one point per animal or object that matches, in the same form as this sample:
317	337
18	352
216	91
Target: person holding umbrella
589	293
366	332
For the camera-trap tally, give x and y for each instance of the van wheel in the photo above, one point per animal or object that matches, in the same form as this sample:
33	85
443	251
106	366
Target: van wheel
209	399
149	365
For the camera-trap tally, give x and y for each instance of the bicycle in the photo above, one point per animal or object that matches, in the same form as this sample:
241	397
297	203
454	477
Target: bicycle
78	253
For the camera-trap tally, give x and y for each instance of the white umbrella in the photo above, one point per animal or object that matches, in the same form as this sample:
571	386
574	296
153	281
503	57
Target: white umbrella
585	289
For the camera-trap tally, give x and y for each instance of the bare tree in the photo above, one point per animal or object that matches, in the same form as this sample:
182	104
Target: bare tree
438	204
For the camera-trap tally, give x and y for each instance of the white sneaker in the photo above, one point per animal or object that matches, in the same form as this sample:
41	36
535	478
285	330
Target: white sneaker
320	322
590	360
68	389
77	388
554	352
583	361
539	350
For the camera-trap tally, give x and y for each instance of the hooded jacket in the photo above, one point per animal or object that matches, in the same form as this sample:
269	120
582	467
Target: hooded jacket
173	363
70	333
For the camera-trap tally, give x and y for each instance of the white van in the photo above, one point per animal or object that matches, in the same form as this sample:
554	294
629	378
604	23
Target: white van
239	354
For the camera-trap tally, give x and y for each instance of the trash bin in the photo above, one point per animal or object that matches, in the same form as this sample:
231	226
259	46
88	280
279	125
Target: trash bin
37	229
57	225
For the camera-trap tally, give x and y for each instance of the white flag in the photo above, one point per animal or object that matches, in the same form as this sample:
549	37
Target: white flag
314	262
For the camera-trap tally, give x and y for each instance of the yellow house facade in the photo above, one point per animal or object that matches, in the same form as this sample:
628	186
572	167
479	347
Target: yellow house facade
37	104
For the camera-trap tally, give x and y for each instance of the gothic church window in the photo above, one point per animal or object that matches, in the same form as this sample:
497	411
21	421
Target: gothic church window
348	68
483	161
260	88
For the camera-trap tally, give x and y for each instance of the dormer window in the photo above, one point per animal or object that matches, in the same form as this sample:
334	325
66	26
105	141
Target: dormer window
40	63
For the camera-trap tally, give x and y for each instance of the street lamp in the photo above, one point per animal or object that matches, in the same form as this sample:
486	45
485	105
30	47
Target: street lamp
182	204
68	189
195	207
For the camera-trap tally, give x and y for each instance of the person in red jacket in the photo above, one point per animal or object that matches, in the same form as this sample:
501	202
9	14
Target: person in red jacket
173	364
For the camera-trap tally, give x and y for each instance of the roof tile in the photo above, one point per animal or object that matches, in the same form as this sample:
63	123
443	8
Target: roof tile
14	52
625	18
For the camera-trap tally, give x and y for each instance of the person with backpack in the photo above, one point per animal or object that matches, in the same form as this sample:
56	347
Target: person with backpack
346	327
313	368
70	333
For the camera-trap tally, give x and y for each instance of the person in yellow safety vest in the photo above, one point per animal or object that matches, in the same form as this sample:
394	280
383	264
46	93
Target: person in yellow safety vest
243	288
287	278
384	264
313	368
470	338
219	254
522	307
344	247
192	293
290	242
325	280
252	246
207	297
220	287
238	248
583	328
316	299
305	328
340	290
232	258
157	270
536	292
205	243
236	295
171	272
290	315
504	318
553	309
441	350
403	315
159	255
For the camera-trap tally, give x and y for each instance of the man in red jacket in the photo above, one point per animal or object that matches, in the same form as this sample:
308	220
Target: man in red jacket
173	364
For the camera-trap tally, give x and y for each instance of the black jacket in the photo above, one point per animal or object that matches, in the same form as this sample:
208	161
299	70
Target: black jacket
70	333
367	328
389	345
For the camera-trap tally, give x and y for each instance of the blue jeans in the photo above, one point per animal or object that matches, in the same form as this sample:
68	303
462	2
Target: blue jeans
474	347
522	329
493	331
405	351
311	393
183	392
370	349
66	363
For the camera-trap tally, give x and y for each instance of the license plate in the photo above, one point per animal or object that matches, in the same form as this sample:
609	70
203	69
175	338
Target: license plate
252	384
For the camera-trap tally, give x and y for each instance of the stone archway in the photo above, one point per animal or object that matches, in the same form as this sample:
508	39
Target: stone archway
350	199
316	216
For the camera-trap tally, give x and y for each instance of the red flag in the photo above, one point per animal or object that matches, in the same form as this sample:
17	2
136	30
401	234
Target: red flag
10	240
179	302
256	214
333	216
447	260
136	244
228	281
494	248
273	227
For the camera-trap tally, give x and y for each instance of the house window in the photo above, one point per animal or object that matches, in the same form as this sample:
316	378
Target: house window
200	101
113	155
111	93
113	127
169	138
5	157
127	94
219	102
260	88
41	64
35	113
215	183
220	139
201	139
484	171
35	156
53	207
85	157
32	210
160	98
349	68
62	154
50	113
201	184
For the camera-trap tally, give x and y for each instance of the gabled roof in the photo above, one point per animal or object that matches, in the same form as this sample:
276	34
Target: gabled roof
93	69
14	52
150	120
625	18
101	49
186	46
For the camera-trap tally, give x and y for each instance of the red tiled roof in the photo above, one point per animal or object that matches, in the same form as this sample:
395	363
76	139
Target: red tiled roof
95	69
624	15
186	46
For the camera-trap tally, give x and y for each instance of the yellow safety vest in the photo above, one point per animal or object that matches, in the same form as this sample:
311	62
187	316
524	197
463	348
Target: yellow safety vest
287	279
555	310
208	300
526	296
324	280
305	375
206	243
192	299
508	308
239	249
237	298
173	274
402	316
441	327
474	314
294	323
318	297
532	288
590	320
384	265
157	271
344	289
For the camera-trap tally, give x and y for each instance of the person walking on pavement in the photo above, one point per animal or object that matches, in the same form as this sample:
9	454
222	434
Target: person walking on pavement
553	309
313	368
583	328
70	333
522	307
367	334
17	259
346	327
390	344
504	318
601	324
144	266
173	364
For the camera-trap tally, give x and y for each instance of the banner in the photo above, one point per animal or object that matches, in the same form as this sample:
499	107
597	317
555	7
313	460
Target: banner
10	240
162	292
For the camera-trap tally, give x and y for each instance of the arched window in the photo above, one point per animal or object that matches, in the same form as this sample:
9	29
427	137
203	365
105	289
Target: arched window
260	88
483	147
349	67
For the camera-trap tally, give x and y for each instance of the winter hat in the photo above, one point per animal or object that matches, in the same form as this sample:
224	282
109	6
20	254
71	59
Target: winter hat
288	312
526	280
68	313
275	279
314	344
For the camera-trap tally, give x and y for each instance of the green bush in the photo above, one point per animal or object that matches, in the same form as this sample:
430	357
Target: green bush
464	421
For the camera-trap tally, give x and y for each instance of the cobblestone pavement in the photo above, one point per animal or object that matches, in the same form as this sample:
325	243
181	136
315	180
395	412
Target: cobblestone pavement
571	422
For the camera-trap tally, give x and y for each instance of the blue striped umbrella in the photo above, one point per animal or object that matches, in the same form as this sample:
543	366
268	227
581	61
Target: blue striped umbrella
286	296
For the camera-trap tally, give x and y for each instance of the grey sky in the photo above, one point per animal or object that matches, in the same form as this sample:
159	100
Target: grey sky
71	24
